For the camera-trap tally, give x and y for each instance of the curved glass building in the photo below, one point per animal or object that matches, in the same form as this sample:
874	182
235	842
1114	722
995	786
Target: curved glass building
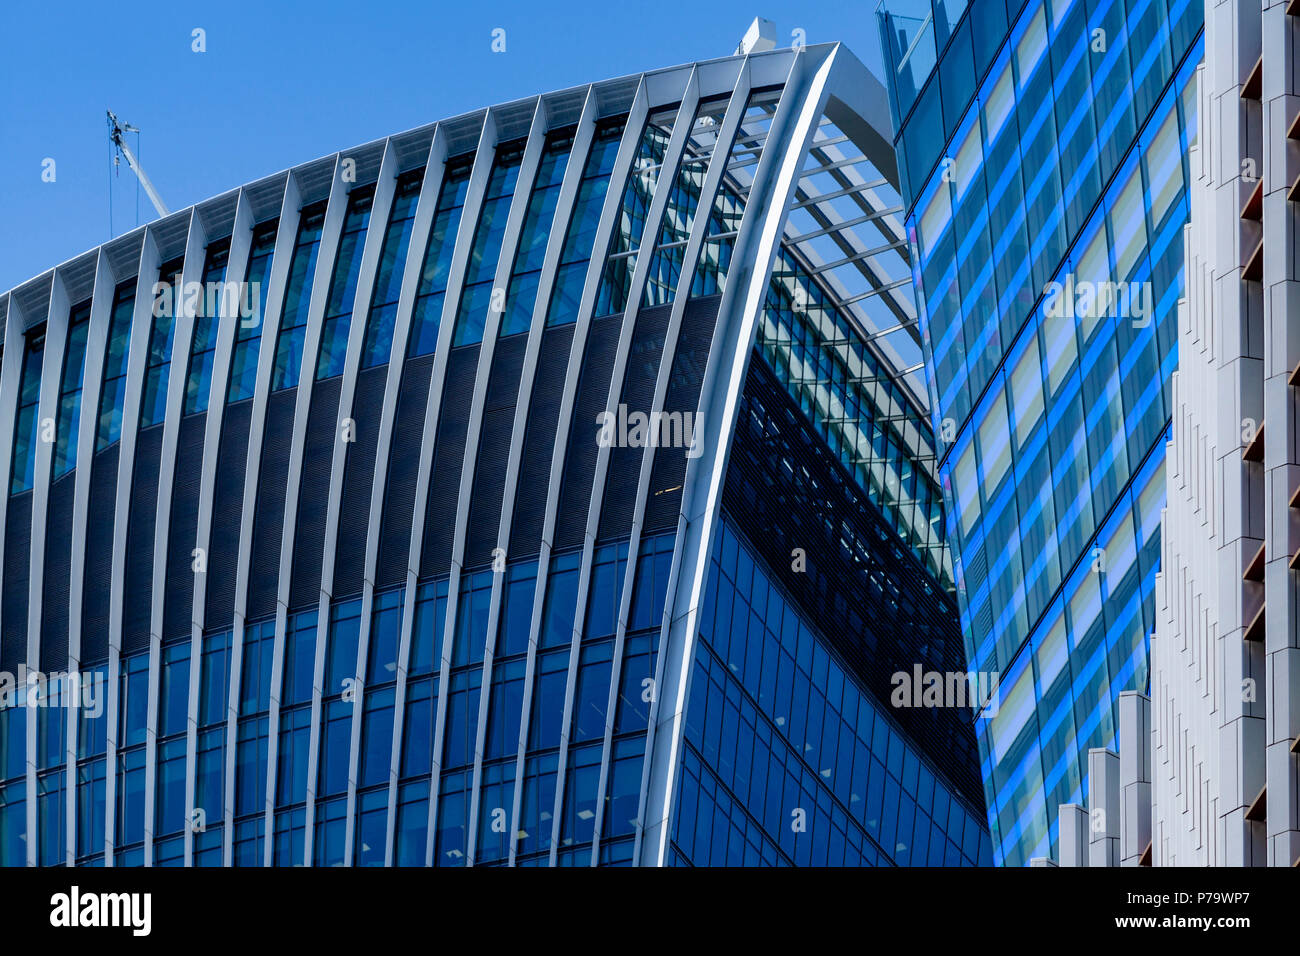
552	484
1044	147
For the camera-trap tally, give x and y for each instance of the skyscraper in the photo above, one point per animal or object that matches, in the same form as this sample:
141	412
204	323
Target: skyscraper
1043	152
1225	661
549	485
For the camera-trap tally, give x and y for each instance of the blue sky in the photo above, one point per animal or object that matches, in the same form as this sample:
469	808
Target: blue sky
285	82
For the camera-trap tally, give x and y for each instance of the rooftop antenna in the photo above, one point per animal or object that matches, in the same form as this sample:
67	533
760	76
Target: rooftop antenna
115	131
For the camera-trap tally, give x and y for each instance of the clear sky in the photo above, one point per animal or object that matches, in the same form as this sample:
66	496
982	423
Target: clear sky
286	81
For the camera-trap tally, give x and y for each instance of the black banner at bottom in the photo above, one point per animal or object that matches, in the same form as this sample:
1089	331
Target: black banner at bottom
936	907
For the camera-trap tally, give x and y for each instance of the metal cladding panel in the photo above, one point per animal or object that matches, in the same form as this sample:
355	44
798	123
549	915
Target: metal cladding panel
494	450
57	574
580	457
669	470
182	528
412	148
217	215
358	477
269	521
123	254
539	441
448	457
98	587
403	471
313	494
227	505
138	583
17	571
862	585
638	395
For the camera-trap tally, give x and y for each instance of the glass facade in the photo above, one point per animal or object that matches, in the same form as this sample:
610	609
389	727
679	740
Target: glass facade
207	318
833	325
579	240
1043	150
343	286
476	297
743	156
297	298
861	410
166	307
638	194
113	394
392	266
683	202
521	293
26	426
74	365
426	317
248	333
788	761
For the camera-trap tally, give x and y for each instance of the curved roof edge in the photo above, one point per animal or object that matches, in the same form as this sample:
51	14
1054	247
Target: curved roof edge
613	95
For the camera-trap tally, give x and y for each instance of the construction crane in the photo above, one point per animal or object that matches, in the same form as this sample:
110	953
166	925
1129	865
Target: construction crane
115	131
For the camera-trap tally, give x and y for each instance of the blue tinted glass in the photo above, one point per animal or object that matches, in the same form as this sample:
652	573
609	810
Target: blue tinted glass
174	690
478	294
211	304
297	299
427	315
74	360
581	235
166	305
343	286
392	268
24	460
248	330
521	294
377	737
345	632
517	610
